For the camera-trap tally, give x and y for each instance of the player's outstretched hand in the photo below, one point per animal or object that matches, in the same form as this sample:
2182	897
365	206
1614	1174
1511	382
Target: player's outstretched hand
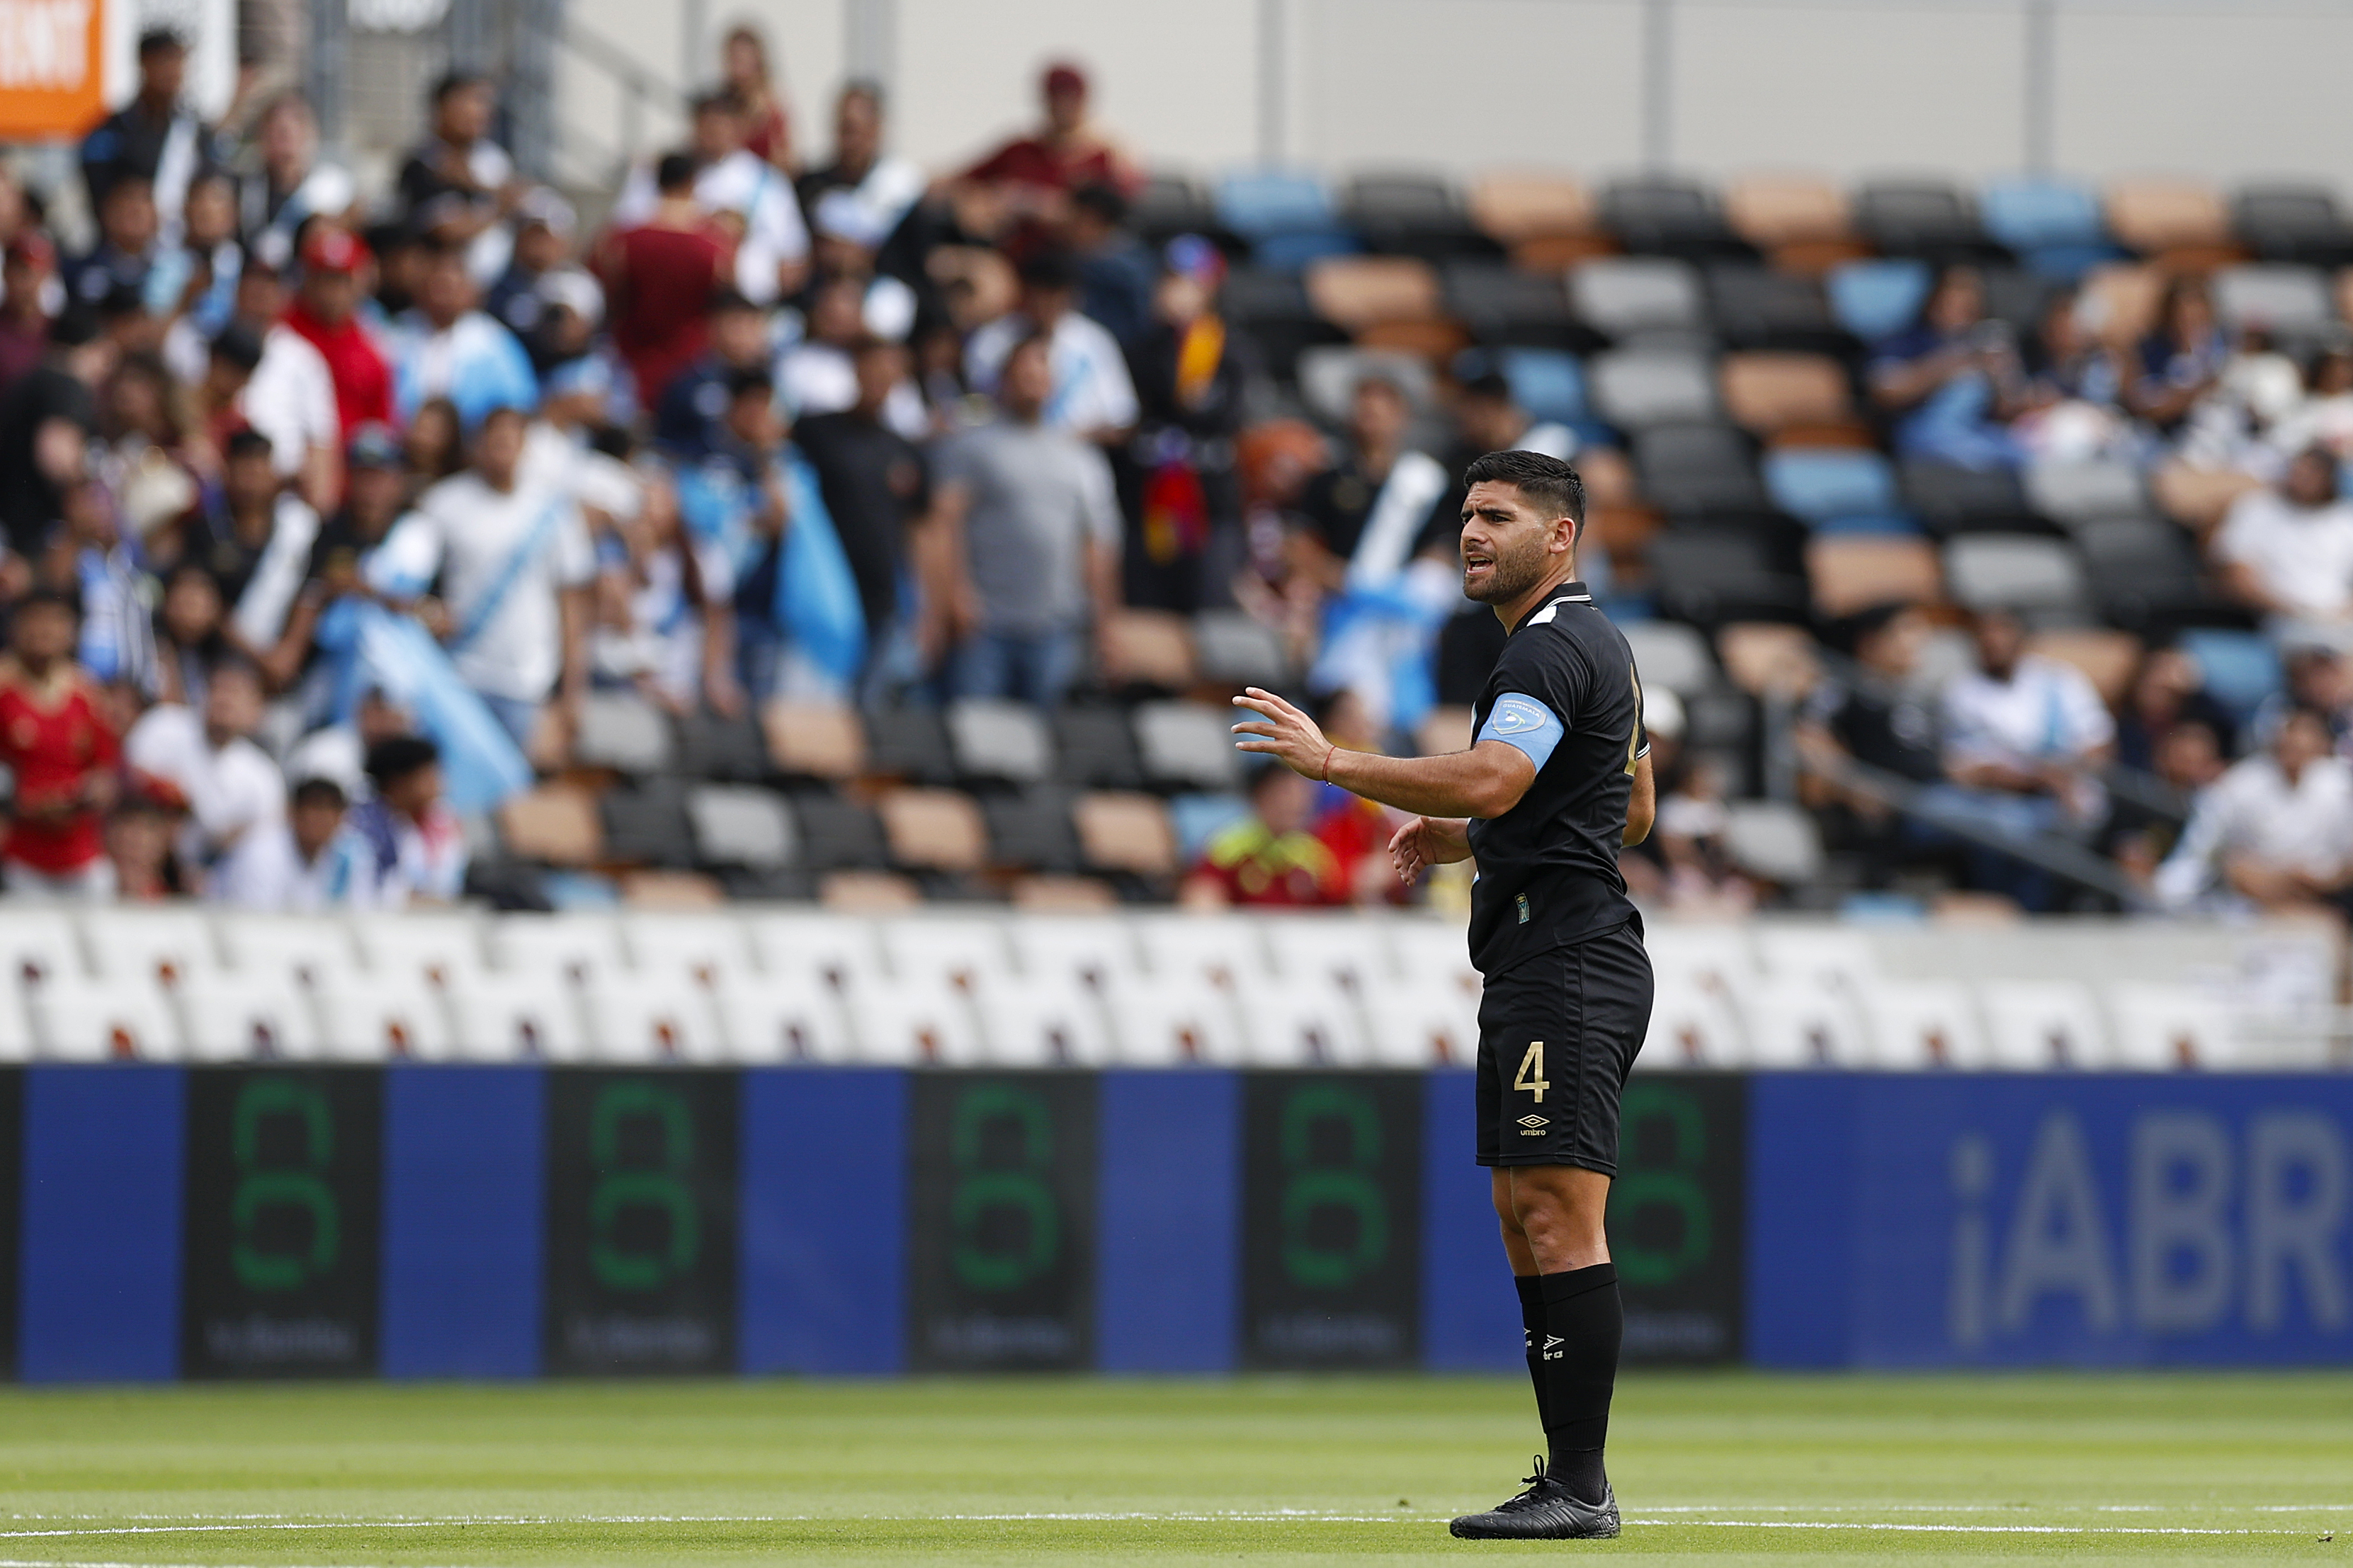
1284	732
1427	841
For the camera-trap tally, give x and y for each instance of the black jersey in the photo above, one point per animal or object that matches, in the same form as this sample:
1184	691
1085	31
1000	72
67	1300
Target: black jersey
1548	868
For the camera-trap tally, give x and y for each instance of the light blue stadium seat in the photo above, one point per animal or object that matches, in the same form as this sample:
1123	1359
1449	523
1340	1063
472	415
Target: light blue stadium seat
1836	489
1294	252
1201	818
2054	226
1875	300
2242	668
1548	383
1258	203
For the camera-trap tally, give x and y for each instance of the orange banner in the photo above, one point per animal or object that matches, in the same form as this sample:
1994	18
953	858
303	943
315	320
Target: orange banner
51	67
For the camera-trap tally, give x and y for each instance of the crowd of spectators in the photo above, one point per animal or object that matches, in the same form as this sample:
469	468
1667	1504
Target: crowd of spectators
327	509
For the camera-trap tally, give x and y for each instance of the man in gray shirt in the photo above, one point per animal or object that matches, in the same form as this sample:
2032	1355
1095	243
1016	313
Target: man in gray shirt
1032	542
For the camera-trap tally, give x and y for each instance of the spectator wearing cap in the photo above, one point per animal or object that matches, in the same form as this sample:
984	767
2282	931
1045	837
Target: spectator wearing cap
544	224
292	397
744	191
129	241
1024	186
325	314
1116	271
209	760
419	848
459	187
28	271
1191	371
1093	394
663	276
292	185
45	422
447	347
1030	550
56	739
867	197
515	562
688	421
154	138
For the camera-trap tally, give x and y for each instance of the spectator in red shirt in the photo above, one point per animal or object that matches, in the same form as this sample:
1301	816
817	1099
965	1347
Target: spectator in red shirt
324	315
32	262
55	736
658	280
1025	186
1270	858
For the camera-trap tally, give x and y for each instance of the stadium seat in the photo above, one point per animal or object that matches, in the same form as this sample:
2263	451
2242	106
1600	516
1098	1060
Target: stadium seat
1148	649
2198	498
1950	500
1692	1025
1033	830
825	946
152	942
1626	295
1876	299
1236	648
839	835
911	744
1774	212
1513	207
1930	219
436	947
933	830
1670	657
1200	817
2143	569
1831	957
1698	469
1857	572
1445	729
1168	204
317	951
624	733
2106	658
84	1018
2155	217
2241	669
1836	489
1160	1021
1920	1025
645	826
555	824
370	1017
580	949
1710	577
2072	491
721	749
1358	292
952	949
655	1019
2018	298
2286	301
1186	745
17	1043
1319	948
517	1018
1502	304
1049	893
2014	572
786	1016
654	889
1548	383
1794	396
2167	1026
2053	226
39	945
1665	215
716	946
914	1022
999	742
1261	204
1295	1021
1763	659
1219	950
1633	389
815	741
1094	746
741	824
1272	308
2032	1025
1414	1025
1761	308
2299	222
1124	831
1798	1025
1409	213
228	1015
1328	377
2120	301
1041	1021
1091	952
1772	841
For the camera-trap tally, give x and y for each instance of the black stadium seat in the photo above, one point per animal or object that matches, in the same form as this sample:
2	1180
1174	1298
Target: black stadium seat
1502	305
1711	575
1661	215
646	826
1757	307
910	743
1949	499
1928	218
1033	830
1687	469
839	835
1095	746
729	750
1271	307
1411	215
2292	223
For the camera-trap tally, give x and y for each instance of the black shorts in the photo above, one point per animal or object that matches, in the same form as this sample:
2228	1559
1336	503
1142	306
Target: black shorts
1558	1036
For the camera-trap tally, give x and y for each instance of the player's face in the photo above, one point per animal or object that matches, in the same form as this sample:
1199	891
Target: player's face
1508	545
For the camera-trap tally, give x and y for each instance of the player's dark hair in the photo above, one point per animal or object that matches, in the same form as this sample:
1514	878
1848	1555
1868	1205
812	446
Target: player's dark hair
320	792
392	760
1546	482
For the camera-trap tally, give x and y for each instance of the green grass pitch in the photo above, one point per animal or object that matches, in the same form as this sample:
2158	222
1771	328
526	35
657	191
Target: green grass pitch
1257	1470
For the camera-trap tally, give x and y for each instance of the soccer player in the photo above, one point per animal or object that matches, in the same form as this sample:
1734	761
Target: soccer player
1557	778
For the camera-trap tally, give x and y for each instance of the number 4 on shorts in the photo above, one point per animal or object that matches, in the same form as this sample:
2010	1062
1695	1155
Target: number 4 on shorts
1532	1077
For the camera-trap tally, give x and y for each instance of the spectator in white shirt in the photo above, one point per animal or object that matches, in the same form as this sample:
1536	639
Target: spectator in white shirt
2289	551
819	375
515	562
742	189
2024	737
290	398
1093	395
448	348
2276	830
229	785
418	847
311	860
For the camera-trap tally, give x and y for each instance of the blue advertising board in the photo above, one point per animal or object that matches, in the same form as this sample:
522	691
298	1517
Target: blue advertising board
1922	1220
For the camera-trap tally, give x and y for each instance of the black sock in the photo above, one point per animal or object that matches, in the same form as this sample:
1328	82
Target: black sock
1531	1324
1583	1323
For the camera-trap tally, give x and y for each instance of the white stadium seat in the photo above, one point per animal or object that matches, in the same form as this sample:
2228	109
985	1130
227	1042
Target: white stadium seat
816	944
318	950
79	1019
239	1015
516	1018
1411	1022
1692	1025
1300	1021
720	945
1041	1021
369	1017
447	947
1321	947
2037	1024
1094	950
1223	950
17	1043
909	1021
39	945
1922	1024
2162	1027
1800	1024
945	947
586	949
772	1019
123	943
638	1018
1158	1020
1831	956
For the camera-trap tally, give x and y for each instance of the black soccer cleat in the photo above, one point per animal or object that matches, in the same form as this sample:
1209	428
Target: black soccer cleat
1545	1512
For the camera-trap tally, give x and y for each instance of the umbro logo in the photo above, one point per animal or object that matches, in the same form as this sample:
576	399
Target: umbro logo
1534	1125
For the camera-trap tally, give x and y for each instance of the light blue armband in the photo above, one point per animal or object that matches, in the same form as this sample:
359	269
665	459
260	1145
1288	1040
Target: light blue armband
1525	723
